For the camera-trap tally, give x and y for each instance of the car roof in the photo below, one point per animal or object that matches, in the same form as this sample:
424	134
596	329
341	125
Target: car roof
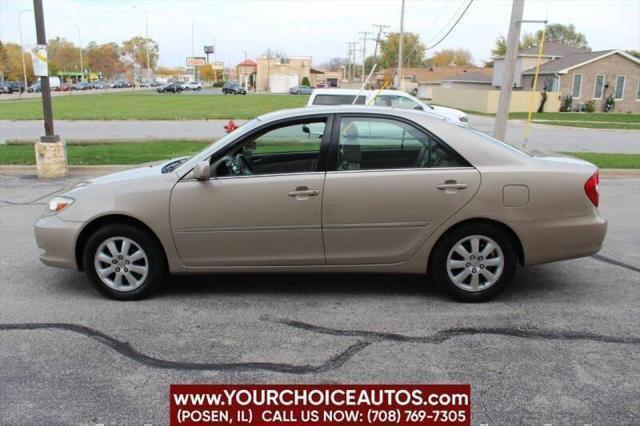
413	115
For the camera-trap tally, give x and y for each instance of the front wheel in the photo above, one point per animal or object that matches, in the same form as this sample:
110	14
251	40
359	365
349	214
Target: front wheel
474	262
124	262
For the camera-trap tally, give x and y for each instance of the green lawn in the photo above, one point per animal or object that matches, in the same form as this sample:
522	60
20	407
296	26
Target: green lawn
609	161
579	116
599	125
150	106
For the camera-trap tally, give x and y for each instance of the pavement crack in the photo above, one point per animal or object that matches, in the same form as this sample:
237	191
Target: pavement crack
615	262
34	202
444	335
125	349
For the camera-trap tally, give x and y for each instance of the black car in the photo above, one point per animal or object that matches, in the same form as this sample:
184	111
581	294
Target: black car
13	87
34	88
120	84
170	88
234	89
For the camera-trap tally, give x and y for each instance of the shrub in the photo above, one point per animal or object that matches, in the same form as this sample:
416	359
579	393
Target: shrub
567	102
590	106
306	82
219	83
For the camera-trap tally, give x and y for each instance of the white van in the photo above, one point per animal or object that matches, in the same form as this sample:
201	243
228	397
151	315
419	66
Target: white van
389	98
54	82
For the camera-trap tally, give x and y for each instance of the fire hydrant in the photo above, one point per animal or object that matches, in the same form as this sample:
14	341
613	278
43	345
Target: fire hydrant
230	126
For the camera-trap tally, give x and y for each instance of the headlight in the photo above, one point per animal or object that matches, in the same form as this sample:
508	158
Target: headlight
57	204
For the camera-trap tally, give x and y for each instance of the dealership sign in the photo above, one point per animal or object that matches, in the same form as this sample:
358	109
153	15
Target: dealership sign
195	61
39	60
209	50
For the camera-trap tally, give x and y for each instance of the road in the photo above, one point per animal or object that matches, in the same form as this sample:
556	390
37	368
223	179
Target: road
561	345
542	137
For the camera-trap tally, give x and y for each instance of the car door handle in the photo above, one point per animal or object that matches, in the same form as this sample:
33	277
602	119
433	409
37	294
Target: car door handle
448	185
303	191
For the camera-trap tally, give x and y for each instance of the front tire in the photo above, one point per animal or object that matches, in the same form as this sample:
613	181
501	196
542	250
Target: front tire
124	262
474	262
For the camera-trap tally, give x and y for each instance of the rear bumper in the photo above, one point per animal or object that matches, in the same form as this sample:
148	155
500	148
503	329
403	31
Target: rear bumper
549	240
56	239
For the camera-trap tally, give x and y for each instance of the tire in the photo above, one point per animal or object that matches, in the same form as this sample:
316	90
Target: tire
150	268
448	264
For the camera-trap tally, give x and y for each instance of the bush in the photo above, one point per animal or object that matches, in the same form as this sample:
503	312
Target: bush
306	82
218	83
567	103
590	106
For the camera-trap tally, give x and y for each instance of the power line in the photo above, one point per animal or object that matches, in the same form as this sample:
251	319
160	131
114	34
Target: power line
443	29
451	29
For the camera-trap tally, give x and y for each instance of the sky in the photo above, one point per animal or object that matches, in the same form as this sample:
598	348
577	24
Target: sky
314	28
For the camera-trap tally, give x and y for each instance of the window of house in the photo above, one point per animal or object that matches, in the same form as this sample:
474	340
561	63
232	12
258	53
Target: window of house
380	143
598	88
577	86
620	81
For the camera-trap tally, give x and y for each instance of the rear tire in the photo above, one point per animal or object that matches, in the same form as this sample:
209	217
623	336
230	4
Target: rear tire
474	262
124	262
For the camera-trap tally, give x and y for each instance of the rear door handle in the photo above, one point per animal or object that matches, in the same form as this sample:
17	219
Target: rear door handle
451	184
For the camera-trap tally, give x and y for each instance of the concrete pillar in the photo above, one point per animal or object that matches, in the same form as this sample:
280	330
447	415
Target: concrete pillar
51	159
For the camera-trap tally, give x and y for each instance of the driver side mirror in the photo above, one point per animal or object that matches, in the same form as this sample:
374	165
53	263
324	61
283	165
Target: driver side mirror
419	107
201	170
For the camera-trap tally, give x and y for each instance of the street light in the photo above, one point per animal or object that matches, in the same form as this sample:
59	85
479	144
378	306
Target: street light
193	38
24	67
146	40
80	44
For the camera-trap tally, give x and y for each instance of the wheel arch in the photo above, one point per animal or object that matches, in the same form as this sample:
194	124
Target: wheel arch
101	221
506	228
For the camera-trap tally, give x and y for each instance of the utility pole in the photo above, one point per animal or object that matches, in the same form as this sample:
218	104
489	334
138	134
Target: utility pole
24	67
364	52
511	56
51	153
400	48
380	31
351	72
146	45
80	45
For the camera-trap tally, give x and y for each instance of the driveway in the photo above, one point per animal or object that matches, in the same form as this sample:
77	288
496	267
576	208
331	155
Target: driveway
561	345
547	138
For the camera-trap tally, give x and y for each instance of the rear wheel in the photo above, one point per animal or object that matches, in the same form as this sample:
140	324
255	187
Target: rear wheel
124	262
474	262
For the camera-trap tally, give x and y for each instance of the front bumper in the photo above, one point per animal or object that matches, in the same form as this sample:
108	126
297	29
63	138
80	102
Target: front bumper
549	240
57	240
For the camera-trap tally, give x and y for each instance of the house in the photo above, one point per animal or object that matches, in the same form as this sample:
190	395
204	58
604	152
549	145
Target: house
278	75
421	81
528	58
591	76
480	78
246	73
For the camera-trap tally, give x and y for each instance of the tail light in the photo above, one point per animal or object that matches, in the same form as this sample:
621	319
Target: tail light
591	188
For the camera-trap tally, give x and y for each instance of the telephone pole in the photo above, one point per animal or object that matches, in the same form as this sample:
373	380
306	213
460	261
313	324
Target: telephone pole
380	31
51	153
400	48
364	51
510	59
352	59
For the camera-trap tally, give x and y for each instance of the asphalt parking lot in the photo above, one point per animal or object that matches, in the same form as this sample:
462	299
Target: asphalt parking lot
560	346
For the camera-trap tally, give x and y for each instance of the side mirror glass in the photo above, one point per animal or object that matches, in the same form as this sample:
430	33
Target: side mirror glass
419	108
201	170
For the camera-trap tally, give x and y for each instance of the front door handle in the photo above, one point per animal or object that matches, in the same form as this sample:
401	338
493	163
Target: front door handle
303	191
451	185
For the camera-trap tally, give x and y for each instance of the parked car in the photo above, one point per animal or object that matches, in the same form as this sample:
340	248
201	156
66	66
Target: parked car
64	87
13	87
301	90
3	87
34	88
233	88
322	86
170	88
348	188
192	85
82	85
100	85
388	98
120	84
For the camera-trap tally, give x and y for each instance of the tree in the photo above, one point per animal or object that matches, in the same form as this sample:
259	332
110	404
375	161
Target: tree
458	57
104	58
412	47
134	51
565	34
63	55
207	73
11	63
334	64
305	81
